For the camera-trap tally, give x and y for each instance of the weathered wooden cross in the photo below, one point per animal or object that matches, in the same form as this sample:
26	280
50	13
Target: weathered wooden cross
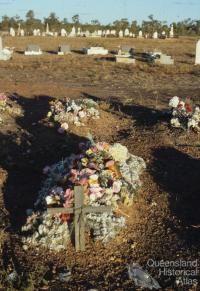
79	211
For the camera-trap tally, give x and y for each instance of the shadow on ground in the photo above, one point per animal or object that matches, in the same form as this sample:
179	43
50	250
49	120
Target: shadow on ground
178	174
143	116
24	154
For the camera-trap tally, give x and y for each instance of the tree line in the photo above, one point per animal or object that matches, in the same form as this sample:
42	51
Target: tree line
184	27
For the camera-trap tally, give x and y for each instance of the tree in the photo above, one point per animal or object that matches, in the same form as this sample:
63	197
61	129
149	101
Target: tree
30	15
76	19
53	21
121	24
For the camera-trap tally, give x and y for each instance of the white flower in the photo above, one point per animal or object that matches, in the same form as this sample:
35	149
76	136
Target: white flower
174	102
175	122
81	114
118	152
49	200
65	126
192	123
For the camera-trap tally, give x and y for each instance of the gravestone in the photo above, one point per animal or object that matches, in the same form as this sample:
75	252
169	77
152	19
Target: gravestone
113	32
197	59
35	32
1	44
64	49
164	60
155	35
12	32
87	33
63	32
171	33
125	59
79	211
22	32
140	35
125	50
99	32
126	32
19	30
33	50
47	29
121	34
5	54
79	31
95	51
73	32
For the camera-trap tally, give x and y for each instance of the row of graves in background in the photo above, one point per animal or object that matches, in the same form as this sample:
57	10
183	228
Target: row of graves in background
125	54
98	33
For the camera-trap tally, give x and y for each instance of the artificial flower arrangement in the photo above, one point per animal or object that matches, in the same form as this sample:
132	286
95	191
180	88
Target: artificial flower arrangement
109	175
8	106
184	114
73	112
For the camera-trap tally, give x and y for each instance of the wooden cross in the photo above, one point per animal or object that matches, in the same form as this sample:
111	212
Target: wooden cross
79	211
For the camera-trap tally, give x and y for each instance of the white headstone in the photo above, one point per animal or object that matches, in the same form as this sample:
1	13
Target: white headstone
63	32
33	50
38	32
140	35
87	33
73	32
108	32
99	32
163	32
1	43
47	28
197	59
121	34
79	31
12	32
35	32
155	35
113	32
5	53
126	32
171	33
22	32
95	51
19	30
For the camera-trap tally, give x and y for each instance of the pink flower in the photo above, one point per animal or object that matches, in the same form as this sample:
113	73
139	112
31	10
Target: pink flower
3	97
110	164
117	186
68	198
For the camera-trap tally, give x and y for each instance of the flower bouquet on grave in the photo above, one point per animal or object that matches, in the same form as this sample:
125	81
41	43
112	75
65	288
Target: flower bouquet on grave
73	112
109	175
184	114
3	101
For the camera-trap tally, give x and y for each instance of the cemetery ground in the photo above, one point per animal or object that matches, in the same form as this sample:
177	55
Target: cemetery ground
164	221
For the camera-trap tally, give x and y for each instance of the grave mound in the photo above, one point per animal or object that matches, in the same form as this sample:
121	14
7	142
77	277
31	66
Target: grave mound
75	112
8	107
109	176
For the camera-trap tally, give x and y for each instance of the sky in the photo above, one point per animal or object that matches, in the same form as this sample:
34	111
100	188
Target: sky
106	11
